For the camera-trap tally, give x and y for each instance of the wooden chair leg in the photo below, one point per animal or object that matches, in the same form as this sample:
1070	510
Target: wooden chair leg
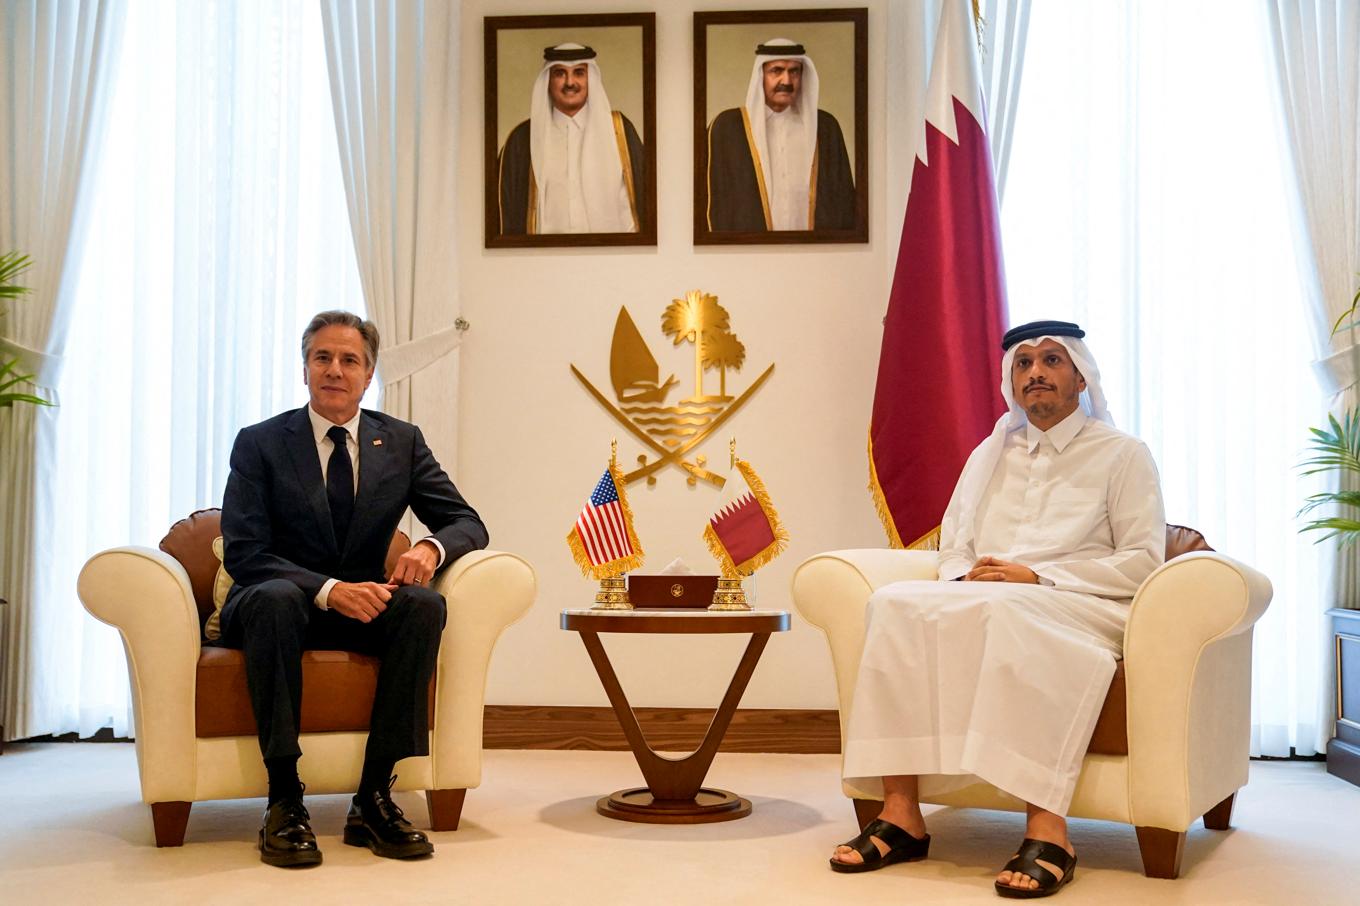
866	810
446	808
1162	850
1220	816
170	819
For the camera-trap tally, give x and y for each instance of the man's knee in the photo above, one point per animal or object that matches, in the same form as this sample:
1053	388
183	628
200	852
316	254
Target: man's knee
275	602
420	606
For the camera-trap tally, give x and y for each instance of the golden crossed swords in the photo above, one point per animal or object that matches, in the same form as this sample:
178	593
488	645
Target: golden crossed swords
672	457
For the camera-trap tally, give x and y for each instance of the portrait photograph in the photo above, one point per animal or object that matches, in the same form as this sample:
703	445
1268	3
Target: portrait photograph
570	130
781	126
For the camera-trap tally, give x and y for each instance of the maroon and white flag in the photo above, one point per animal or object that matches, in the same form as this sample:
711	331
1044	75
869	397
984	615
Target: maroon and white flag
745	533
939	370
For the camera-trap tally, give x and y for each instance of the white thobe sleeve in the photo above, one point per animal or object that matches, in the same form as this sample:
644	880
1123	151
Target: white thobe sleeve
957	555
1138	527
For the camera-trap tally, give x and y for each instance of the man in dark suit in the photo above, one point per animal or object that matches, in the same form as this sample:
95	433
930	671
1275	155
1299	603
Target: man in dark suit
312	502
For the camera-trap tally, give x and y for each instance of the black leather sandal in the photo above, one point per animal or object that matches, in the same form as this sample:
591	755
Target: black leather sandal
902	847
1026	861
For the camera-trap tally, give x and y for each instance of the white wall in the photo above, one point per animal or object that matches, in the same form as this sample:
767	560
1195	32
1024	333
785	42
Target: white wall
533	443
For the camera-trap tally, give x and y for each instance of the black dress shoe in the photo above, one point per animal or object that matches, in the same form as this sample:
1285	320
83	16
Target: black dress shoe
377	822
286	837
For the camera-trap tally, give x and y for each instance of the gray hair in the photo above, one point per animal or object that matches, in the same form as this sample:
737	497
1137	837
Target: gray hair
367	330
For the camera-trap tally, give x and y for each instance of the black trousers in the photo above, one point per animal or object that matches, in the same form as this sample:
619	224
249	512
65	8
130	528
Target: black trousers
275	621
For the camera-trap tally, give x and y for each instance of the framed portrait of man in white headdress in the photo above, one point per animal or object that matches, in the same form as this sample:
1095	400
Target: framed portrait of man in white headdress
570	146
781	126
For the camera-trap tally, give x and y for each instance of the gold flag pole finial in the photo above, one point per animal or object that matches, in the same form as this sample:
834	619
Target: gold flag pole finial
732	453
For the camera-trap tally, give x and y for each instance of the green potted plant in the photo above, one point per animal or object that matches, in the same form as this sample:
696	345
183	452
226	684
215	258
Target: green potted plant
1336	448
11	265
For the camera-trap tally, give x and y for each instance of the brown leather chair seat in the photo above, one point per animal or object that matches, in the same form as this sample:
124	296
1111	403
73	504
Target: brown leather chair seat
1111	736
338	686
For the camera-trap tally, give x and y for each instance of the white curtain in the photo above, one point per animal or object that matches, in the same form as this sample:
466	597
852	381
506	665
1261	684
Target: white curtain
395	89
219	228
55	56
1148	201
1317	66
1005	25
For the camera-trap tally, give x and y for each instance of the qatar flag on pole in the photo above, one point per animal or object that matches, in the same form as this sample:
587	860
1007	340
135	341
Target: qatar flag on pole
939	372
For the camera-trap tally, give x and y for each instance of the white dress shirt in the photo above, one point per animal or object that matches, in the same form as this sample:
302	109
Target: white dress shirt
324	447
790	169
1080	504
564	199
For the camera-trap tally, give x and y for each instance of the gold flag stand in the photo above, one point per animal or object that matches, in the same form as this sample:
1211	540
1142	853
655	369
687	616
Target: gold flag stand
613	595
729	596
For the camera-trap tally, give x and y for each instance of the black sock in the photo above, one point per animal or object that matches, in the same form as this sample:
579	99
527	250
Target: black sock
283	779
376	775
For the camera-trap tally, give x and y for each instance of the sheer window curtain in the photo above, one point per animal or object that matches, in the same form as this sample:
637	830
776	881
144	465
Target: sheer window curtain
394	79
221	228
55	60
1317	67
1147	200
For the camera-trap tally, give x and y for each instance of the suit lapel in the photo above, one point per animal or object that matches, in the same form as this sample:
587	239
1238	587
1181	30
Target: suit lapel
307	463
373	465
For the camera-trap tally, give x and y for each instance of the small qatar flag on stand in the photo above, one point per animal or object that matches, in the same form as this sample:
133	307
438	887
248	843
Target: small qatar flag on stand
603	541
939	371
745	533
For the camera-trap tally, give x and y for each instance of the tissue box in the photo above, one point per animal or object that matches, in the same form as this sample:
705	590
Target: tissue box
671	591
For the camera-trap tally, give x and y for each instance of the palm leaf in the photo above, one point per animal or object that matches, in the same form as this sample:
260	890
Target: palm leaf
12	264
1348	313
1348	530
1336	447
1341	498
10	377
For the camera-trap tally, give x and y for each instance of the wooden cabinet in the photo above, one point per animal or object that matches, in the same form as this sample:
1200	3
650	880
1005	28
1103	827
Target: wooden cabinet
1343	751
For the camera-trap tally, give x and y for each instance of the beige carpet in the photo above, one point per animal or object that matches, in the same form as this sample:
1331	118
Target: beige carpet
73	830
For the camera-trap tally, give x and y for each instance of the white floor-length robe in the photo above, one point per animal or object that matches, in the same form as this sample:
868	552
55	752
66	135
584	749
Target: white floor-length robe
1003	681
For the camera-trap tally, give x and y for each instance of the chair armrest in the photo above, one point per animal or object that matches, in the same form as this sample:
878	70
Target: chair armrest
831	591
1187	662
145	595
486	591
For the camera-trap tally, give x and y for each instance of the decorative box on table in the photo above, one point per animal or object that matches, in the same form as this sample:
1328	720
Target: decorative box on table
671	591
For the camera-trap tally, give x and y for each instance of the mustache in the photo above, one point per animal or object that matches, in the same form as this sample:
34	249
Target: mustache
783	88
1033	384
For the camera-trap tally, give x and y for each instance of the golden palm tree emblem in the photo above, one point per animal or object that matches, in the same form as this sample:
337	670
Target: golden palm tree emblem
673	430
694	319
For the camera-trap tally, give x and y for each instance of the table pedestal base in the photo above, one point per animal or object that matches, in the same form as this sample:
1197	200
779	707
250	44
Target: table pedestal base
708	805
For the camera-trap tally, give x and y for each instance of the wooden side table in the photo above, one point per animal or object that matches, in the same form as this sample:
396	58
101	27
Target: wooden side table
674	793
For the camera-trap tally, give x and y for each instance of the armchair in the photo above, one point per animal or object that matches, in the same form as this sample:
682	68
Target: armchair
1171	741
195	732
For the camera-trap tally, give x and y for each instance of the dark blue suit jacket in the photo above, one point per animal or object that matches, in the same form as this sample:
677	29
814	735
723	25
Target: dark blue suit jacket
276	523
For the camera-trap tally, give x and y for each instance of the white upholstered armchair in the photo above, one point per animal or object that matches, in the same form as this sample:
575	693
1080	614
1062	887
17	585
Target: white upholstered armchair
1171	743
194	728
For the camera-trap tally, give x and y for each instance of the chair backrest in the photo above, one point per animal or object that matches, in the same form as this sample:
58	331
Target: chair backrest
190	542
1181	539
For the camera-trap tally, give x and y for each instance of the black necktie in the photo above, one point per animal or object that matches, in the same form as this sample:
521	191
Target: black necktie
340	484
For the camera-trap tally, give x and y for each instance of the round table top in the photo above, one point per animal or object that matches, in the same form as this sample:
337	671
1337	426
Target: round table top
675	620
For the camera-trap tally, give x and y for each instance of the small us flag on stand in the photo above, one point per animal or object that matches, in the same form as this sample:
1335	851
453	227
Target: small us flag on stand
603	541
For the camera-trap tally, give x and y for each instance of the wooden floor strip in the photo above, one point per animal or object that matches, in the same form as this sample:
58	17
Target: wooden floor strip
789	731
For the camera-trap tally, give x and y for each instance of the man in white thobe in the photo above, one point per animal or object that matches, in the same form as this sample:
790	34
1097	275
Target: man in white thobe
1061	514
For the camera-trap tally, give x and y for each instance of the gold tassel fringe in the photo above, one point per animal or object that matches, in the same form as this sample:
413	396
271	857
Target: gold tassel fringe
881	502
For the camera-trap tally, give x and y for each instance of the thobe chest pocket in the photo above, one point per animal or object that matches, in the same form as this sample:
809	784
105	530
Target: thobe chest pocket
1071	515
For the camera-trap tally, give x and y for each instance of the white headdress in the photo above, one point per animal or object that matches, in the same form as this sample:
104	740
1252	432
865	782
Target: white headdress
806	103
601	168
